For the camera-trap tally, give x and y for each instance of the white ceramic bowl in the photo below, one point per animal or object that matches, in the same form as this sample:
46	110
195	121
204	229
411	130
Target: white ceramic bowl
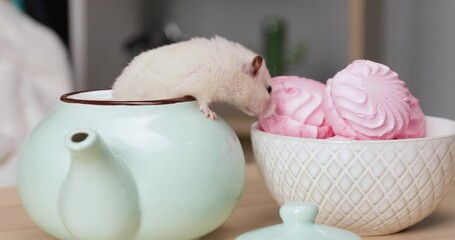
369	187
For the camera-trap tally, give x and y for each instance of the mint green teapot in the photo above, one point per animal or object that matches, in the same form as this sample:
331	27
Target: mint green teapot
101	169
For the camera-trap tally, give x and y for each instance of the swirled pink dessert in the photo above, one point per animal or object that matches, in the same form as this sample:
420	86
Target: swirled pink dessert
416	127
367	100
298	109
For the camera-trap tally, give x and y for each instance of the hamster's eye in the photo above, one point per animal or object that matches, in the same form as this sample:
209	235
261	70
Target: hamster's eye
269	89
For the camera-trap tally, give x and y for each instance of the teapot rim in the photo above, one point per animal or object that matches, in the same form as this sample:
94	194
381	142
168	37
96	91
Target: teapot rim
69	98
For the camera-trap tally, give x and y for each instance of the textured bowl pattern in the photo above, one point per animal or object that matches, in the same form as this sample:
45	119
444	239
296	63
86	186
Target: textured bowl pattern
369	187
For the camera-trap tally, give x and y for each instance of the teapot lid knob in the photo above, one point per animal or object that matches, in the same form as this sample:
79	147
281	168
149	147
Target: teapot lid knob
299	213
299	224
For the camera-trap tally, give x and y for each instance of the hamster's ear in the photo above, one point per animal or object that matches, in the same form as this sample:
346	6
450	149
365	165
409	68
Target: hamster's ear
255	65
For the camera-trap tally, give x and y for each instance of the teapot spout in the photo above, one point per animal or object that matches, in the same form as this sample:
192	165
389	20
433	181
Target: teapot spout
87	145
83	142
98	187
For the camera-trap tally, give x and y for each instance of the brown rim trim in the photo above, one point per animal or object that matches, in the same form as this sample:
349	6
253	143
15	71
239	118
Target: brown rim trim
67	98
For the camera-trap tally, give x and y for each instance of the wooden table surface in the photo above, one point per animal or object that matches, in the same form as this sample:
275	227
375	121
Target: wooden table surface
256	209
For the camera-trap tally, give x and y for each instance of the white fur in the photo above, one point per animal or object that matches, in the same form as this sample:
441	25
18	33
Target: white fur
211	70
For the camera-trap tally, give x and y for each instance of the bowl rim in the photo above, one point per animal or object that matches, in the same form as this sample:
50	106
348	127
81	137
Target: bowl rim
256	131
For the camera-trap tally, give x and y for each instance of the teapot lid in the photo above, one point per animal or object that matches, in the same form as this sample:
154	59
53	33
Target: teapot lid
299	224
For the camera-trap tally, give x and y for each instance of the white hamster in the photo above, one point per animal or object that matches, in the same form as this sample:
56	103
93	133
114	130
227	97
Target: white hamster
210	70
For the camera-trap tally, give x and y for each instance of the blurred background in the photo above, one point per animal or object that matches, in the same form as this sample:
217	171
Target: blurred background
51	47
312	38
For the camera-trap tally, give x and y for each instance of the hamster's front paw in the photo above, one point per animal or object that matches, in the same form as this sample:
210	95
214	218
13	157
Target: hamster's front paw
204	107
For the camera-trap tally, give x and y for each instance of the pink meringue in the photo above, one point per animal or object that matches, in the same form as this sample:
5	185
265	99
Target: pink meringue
298	109
416	127
367	100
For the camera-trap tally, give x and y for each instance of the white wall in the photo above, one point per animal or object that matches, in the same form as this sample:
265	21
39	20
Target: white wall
110	23
418	42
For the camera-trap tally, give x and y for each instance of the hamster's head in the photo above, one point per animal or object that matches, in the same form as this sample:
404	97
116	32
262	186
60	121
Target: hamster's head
254	89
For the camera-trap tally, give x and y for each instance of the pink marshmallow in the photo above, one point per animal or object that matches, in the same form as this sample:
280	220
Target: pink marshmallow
367	100
416	127
298	109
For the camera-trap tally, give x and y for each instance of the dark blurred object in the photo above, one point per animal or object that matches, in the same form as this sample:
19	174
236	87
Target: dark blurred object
274	29
278	59
169	33
52	13
137	44
19	4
